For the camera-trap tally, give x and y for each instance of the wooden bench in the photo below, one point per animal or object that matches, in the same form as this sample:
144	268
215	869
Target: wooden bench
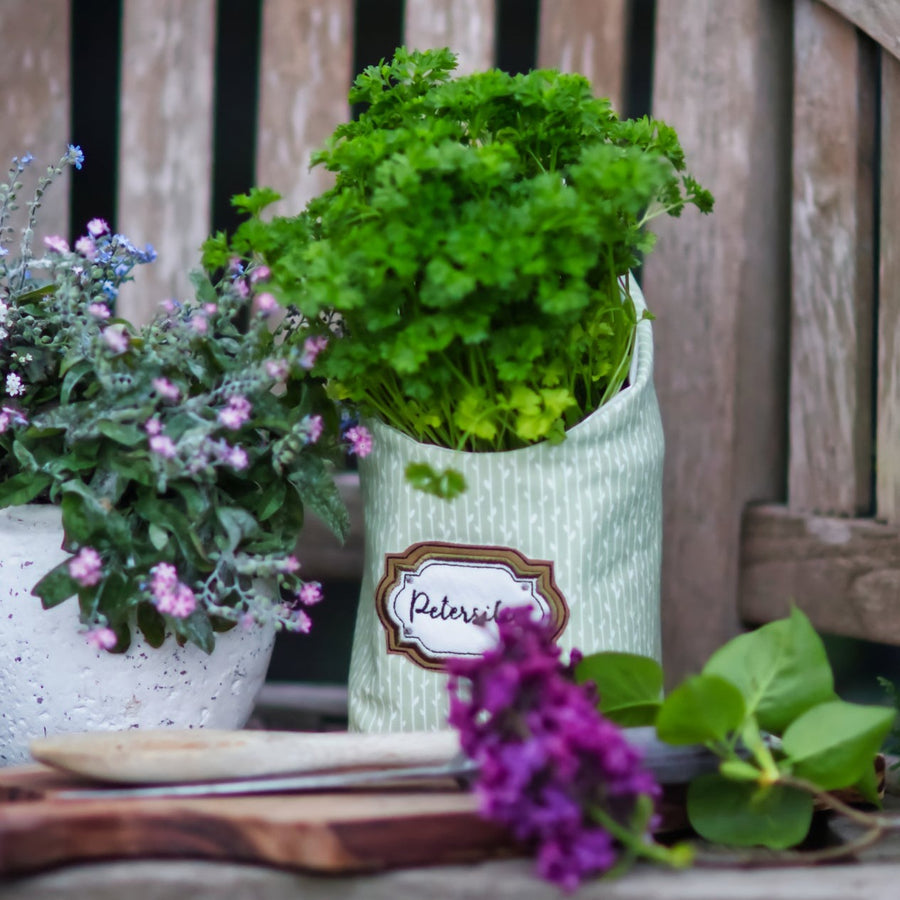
777	317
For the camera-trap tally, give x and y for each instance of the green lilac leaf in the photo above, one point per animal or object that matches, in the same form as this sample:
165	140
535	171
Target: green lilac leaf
629	686
741	814
702	709
834	744
781	669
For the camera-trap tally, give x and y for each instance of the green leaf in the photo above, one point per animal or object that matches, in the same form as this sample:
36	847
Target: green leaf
271	499
702	709
56	586
22	488
834	744
741	814
238	524
127	435
629	686
781	669
151	624
158	536
446	485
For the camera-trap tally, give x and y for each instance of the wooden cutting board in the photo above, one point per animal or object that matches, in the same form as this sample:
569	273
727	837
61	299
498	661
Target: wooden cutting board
333	832
351	831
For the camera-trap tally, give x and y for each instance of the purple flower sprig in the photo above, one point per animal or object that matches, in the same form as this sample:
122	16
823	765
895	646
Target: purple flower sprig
563	779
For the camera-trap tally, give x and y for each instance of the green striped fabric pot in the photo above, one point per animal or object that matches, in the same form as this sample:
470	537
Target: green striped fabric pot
573	529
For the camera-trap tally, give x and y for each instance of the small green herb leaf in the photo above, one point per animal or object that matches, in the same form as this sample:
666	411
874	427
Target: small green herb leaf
446	485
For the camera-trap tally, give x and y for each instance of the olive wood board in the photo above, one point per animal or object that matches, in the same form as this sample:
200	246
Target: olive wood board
355	830
325	832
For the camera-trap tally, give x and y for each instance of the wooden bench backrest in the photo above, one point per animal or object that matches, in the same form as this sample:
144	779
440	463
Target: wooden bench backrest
777	333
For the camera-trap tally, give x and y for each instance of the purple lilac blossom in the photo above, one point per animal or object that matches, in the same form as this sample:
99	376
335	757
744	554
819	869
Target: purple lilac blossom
360	440
546	756
86	567
260	273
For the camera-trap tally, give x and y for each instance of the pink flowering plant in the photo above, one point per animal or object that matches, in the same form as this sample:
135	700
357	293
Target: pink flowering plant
184	455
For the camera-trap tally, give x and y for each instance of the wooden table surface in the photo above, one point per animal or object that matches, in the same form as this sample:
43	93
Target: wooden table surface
874	875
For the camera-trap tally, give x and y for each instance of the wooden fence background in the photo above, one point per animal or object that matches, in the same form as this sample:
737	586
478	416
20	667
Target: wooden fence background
777	332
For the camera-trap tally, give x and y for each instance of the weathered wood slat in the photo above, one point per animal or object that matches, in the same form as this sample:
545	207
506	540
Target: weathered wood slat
165	143
305	73
831	252
880	19
465	26
718	286
887	452
34	98
844	573
587	37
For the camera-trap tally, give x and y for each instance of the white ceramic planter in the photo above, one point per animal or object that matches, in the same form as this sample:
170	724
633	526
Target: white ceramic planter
574	530
52	681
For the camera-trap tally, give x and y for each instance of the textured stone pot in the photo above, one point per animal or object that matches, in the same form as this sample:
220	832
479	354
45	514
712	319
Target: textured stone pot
573	529
52	681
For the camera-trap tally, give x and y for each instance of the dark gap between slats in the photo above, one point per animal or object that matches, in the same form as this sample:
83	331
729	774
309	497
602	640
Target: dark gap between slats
238	25
94	111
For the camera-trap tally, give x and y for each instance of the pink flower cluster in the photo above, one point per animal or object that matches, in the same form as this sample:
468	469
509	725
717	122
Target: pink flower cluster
312	347
160	444
102	638
546	756
311	428
171	596
236	411
86	567
166	389
360	439
8	416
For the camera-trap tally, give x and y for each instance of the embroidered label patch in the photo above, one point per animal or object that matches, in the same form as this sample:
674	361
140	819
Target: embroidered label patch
439	600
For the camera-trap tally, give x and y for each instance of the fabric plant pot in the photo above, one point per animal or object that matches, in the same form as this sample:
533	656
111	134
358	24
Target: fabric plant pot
53	682
573	529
